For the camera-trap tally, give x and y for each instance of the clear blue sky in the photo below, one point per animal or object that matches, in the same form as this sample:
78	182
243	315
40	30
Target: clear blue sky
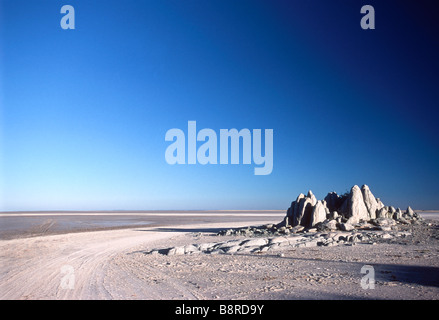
85	111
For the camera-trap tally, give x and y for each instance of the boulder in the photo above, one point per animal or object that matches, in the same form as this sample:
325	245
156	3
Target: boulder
356	208
398	214
370	201
303	216
344	207
190	248
312	197
296	204
332	225
327	225
175	251
410	212
380	203
333	215
332	201
382	213
292	212
318	213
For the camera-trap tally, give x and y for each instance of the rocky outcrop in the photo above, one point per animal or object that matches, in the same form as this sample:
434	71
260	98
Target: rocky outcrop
356	216
301	211
277	243
343	212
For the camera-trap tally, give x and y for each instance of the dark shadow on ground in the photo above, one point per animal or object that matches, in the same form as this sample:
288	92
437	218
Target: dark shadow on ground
414	274
208	230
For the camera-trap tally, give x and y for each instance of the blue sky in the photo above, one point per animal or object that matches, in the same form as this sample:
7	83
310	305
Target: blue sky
85	111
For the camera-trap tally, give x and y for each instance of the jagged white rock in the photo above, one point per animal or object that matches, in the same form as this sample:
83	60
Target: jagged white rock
357	209
318	213
370	201
356	206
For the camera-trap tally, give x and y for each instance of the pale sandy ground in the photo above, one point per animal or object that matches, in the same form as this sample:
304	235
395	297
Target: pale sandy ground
32	268
112	265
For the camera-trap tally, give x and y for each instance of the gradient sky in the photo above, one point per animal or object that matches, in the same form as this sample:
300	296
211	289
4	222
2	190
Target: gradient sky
84	112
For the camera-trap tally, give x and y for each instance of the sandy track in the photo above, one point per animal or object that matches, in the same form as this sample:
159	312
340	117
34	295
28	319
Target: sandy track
41	267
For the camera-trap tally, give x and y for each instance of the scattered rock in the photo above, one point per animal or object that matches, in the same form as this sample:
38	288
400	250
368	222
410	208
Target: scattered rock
297	229
327	225
383	222
254	242
346	226
276	244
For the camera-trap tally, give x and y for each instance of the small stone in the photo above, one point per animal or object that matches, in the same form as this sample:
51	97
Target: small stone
231	249
278	240
274	247
175	251
206	246
190	249
227	244
254	242
312	243
403	220
346	227
297	229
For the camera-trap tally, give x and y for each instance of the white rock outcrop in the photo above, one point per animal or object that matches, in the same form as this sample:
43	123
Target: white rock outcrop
357	206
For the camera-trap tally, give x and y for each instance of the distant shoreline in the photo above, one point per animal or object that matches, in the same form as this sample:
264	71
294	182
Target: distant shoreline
37	223
169	211
135	211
